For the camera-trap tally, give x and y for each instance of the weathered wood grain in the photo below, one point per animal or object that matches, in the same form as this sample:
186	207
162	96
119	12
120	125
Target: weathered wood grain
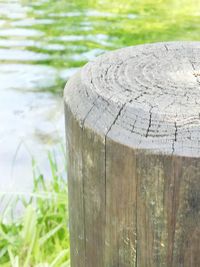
133	135
75	191
93	155
121	201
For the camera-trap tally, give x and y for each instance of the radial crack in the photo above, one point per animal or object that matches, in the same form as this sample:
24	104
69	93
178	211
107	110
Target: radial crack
175	137
166	47
116	118
93	104
150	120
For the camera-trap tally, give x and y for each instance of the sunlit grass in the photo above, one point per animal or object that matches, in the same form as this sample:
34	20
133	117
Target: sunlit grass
39	236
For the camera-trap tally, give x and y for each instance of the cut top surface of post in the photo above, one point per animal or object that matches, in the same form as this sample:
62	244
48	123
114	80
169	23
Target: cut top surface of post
146	97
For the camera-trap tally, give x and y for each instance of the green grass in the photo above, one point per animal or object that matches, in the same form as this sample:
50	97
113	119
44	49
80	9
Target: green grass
39	236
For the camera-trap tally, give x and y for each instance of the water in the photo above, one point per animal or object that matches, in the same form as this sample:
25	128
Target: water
43	42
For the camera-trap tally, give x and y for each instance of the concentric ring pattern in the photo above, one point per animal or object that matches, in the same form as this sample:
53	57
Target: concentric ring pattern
145	96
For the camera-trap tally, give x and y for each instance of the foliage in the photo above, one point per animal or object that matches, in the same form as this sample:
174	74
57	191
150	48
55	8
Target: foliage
39	237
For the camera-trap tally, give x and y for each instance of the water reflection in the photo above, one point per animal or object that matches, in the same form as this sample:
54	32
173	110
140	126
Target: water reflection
43	42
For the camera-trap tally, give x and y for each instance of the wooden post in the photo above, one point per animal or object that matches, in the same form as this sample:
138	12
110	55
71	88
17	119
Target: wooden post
133	142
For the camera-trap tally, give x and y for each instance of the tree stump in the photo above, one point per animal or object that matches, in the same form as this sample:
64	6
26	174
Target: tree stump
133	142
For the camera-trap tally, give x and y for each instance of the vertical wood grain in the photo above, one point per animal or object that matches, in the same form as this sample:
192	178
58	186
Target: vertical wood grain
93	157
75	190
121	212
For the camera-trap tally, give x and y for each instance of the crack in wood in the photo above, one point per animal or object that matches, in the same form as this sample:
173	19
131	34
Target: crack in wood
89	111
175	137
116	118
150	121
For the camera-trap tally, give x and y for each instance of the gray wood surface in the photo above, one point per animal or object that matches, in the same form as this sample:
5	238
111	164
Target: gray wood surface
133	133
